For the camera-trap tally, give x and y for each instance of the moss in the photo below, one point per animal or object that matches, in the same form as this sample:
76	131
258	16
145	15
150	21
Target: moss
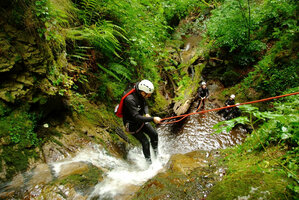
83	182
166	185
191	86
18	140
133	140
19	126
252	174
56	141
16	159
160	103
175	185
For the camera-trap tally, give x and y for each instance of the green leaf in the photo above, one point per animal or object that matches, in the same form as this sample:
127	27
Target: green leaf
120	70
109	72
227	126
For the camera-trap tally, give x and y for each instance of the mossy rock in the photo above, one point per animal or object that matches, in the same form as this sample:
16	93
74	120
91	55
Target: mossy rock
18	140
84	180
189	177
254	175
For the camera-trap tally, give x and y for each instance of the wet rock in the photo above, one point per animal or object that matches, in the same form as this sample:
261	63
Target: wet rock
25	78
189	176
11	91
8	55
186	163
60	148
7	195
3	172
181	107
53	152
58	192
72	168
41	175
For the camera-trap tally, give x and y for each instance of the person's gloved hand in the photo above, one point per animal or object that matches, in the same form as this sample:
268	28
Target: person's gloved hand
147	115
157	120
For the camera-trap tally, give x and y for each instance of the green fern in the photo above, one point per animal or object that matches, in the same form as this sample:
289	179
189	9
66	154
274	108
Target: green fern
120	70
89	11
109	72
79	54
102	35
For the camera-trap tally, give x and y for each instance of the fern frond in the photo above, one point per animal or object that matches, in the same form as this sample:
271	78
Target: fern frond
102	35
120	70
109	72
88	5
89	11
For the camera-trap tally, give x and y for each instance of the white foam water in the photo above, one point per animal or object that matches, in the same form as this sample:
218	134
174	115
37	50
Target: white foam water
120	174
125	175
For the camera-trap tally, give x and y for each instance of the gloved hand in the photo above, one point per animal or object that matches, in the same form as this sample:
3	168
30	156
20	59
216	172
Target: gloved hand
157	120
147	115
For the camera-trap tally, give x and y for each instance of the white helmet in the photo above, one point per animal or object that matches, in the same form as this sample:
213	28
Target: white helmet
146	86
232	96
203	83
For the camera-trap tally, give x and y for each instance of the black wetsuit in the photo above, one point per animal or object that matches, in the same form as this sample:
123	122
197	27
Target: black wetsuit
134	109
233	112
202	92
229	102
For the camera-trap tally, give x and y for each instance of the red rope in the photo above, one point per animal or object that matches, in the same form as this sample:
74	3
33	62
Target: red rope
179	116
215	109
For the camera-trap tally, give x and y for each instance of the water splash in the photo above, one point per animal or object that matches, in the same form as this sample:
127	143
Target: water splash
131	174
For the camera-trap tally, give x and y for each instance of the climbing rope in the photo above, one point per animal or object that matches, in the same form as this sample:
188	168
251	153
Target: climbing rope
180	116
216	109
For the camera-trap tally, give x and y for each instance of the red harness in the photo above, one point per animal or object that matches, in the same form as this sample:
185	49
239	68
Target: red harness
119	108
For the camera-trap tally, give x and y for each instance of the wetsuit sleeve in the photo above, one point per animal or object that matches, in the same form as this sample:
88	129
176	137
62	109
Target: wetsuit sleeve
130	104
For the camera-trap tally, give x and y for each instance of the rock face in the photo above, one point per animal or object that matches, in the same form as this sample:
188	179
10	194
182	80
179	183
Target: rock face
23	64
73	168
181	107
73	181
186	163
189	176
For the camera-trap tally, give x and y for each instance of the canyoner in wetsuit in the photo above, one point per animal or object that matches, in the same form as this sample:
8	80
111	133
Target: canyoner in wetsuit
203	94
230	113
136	117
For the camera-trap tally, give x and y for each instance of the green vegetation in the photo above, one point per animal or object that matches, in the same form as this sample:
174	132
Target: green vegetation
269	155
262	34
18	139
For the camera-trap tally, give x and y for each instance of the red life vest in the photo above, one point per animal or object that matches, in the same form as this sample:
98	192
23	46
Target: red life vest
119	108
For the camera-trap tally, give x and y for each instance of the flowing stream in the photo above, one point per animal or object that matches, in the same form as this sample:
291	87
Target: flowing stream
122	178
196	133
